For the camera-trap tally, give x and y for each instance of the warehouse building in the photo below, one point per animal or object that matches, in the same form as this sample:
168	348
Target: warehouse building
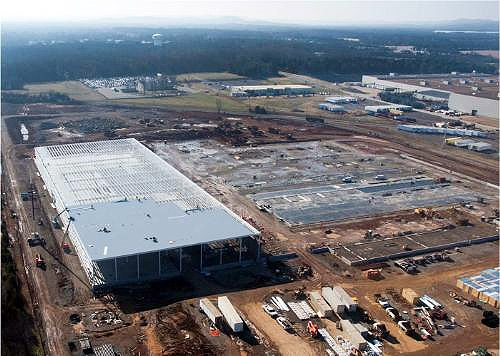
386	108
471	104
341	99
331	107
132	217
271	90
441	130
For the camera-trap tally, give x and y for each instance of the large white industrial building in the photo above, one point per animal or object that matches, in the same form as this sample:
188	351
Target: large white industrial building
132	217
474	105
271	90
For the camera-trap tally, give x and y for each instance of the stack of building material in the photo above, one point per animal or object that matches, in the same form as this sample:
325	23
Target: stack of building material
354	336
211	311
319	305
429	302
331	342
350	304
410	296
333	299
485	286
230	314
279	303
298	311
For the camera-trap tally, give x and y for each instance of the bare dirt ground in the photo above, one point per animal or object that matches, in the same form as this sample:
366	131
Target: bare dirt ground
155	321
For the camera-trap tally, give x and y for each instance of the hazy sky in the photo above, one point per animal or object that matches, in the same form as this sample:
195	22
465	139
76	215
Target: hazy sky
298	12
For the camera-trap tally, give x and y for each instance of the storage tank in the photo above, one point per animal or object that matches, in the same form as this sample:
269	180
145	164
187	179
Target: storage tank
319	305
232	318
211	311
333	299
350	304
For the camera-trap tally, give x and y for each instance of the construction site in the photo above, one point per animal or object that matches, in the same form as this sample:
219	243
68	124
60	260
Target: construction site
153	230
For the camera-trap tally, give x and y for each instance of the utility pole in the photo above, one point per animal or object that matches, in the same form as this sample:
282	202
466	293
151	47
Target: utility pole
32	193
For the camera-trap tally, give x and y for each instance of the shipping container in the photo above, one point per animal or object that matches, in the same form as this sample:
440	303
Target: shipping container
333	299
319	305
350	304
211	311
232	318
353	335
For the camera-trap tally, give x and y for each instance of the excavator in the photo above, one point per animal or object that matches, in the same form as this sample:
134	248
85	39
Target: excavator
427	213
312	329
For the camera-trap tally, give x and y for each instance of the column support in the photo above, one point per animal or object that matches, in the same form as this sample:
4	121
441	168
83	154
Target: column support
180	259
201	258
239	258
159	263
116	270
138	267
220	256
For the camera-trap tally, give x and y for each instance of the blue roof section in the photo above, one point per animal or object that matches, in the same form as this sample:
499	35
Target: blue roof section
127	228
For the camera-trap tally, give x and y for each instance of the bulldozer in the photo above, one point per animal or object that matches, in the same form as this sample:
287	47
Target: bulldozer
312	329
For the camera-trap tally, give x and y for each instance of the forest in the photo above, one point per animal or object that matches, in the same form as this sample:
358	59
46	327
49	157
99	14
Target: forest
323	53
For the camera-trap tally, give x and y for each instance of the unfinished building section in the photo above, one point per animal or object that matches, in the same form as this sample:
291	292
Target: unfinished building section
132	217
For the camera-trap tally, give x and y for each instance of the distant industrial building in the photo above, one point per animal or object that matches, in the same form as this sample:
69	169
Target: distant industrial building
441	130
132	217
331	107
481	103
470	144
271	90
152	84
387	108
341	99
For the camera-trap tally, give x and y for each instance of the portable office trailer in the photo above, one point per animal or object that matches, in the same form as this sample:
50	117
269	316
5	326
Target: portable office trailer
319	305
333	299
230	314
354	336
350	304
211	311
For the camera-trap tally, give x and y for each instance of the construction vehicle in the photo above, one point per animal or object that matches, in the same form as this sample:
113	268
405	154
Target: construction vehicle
379	330
312	329
64	245
427	213
39	261
35	239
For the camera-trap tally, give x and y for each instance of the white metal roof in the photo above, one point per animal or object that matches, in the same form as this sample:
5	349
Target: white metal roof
265	87
122	186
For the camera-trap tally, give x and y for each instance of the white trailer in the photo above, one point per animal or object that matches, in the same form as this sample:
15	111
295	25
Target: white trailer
353	335
333	299
211	311
230	314
319	305
350	304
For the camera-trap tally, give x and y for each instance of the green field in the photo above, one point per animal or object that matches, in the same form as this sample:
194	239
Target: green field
208	76
73	89
197	101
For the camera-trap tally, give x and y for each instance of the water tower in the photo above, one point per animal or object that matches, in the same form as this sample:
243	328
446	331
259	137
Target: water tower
157	39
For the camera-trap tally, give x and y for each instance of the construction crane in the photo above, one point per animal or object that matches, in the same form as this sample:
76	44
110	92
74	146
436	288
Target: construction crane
64	244
54	220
